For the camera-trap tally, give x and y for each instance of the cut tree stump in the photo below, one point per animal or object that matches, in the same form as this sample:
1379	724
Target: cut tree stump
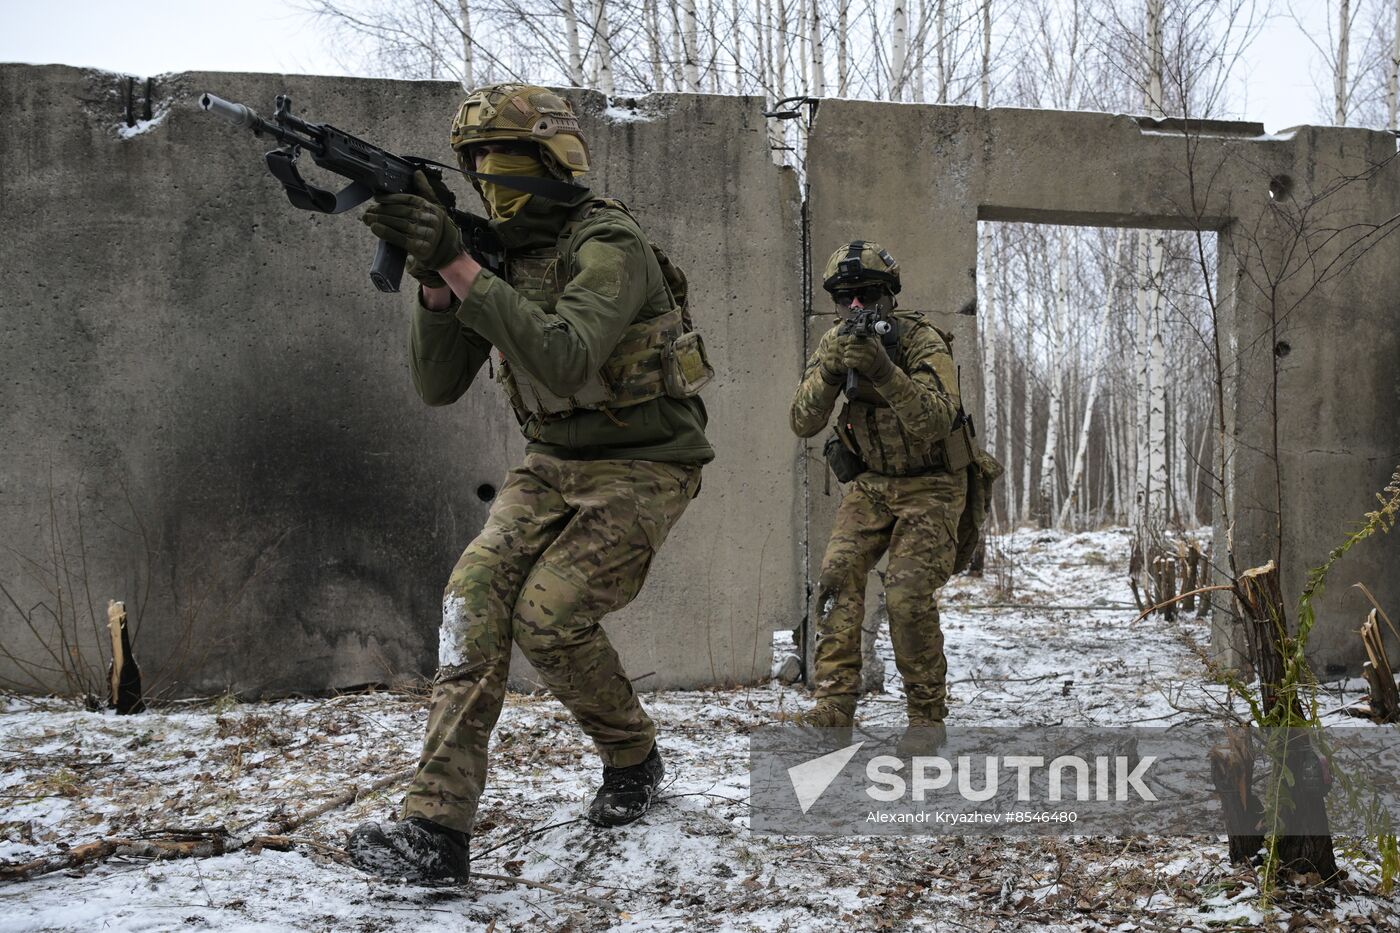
1261	597
1192	562
1232	772
1304	838
123	676
1385	698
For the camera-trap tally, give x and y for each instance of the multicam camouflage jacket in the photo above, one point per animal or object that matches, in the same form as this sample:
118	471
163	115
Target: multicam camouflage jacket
897	428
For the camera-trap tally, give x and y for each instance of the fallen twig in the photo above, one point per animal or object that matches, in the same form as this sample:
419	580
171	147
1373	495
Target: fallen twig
586	898
347	797
526	835
1176	599
199	842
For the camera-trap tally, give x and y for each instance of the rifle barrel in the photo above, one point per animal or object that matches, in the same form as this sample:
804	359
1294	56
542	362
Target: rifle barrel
237	114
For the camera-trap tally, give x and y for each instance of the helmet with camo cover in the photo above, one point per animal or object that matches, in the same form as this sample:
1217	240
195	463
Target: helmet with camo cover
858	263
522	113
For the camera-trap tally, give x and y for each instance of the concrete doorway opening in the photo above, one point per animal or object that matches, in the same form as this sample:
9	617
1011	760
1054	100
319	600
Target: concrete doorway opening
1098	373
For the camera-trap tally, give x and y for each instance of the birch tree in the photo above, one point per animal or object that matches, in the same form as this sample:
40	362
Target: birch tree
692	64
604	55
899	50
575	49
1392	84
1054	381
1340	89
984	83
815	40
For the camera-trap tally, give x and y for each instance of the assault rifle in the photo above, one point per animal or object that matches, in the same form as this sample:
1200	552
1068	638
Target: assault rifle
864	323
371	171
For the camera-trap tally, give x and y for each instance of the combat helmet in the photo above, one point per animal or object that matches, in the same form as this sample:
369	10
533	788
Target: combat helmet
858	263
527	113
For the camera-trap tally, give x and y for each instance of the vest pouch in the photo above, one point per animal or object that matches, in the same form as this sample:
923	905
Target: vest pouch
530	396
506	380
685	367
957	449
984	472
845	466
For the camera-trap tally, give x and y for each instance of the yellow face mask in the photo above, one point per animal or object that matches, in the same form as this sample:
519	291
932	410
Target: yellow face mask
504	203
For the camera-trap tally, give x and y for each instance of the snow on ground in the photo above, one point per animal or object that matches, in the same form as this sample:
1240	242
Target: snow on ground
69	776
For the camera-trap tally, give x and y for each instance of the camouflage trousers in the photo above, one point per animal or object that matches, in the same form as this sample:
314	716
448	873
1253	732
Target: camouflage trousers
916	519
565	543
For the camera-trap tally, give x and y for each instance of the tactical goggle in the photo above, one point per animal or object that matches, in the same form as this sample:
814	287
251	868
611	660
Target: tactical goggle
869	295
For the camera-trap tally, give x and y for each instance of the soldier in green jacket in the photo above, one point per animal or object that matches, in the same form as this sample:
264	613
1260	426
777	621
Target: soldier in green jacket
901	446
597	355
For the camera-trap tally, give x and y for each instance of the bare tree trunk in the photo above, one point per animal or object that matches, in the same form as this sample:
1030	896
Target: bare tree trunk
763	48
842	59
1339	75
917	54
815	40
1392	84
772	46
1150	521
1152	506
658	78
1154	101
601	29
712	68
677	50
986	318
1007	451
803	53
736	30
692	68
900	49
780	47
986	89
468	69
942	34
1054	379
1028	429
575	50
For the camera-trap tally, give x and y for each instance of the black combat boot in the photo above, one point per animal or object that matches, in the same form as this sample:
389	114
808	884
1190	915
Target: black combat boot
414	849
627	792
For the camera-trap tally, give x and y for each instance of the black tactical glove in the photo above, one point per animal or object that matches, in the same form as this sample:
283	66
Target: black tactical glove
866	355
420	225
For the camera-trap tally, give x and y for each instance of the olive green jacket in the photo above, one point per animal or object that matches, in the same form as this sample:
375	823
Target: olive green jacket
616	277
921	393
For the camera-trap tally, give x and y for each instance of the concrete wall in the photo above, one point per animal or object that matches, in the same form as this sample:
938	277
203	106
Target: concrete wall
938	170
210	404
205	377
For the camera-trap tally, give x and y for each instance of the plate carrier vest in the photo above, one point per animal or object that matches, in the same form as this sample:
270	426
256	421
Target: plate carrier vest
660	353
870	429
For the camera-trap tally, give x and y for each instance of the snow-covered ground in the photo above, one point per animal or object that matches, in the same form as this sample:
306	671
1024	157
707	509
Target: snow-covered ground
68	776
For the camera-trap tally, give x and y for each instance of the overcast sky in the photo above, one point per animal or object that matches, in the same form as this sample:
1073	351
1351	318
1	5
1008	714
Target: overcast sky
156	36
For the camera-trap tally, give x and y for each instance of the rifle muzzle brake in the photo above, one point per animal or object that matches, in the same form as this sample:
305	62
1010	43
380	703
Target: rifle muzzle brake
237	114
